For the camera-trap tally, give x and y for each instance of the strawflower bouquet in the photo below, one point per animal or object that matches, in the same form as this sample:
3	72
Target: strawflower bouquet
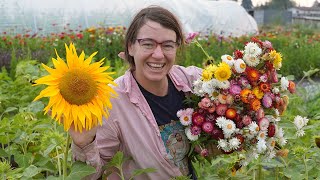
240	103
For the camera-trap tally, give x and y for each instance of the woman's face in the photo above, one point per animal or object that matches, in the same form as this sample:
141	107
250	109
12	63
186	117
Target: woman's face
153	60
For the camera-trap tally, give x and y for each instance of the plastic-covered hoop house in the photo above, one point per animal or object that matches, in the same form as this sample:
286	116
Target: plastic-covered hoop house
227	18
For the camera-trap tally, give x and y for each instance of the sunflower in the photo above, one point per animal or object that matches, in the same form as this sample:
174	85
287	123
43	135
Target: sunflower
223	72
79	92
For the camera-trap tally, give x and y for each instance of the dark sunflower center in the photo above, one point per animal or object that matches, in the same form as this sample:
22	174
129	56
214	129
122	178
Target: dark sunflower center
77	87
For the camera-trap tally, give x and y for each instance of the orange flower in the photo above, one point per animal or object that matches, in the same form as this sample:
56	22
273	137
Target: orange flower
252	74
255	104
244	95
292	87
265	87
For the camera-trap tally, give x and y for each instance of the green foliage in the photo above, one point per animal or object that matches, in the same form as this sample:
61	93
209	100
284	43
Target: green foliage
117	162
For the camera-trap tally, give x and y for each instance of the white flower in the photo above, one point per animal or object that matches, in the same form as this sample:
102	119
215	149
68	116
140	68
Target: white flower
253	127
279	133
276	111
223	144
262	135
300	133
252	49
227	59
300	122
270	155
197	87
208	87
271	143
220	121
282	141
284	83
239	66
190	136
263	78
224	84
261	146
251	61
234	143
275	90
228	128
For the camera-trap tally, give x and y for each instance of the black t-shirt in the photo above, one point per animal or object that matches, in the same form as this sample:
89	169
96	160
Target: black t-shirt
165	109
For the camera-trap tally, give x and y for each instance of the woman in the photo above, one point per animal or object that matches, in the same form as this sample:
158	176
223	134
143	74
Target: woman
144	118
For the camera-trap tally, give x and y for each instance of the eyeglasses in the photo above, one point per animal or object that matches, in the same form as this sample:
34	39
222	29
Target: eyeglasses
149	45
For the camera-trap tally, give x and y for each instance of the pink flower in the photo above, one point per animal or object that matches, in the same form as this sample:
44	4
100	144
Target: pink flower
207	127
235	89
190	37
246	120
221	109
244	81
267	101
205	103
267	44
274	76
204	153
260	113
263	124
185	116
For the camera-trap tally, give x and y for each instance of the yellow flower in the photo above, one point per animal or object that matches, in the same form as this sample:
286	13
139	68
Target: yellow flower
79	92
206	75
223	72
277	59
257	92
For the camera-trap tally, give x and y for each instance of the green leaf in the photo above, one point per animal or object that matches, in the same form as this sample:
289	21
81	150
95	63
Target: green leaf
117	160
23	159
80	170
3	153
31	171
10	109
137	172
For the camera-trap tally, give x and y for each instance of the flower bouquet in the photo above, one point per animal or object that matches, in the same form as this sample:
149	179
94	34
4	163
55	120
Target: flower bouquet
239	103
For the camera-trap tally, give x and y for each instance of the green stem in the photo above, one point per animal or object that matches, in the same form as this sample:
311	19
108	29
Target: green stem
121	173
65	157
199	45
305	166
259	170
59	163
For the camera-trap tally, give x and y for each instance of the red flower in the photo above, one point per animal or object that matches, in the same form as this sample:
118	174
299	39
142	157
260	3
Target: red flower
238	54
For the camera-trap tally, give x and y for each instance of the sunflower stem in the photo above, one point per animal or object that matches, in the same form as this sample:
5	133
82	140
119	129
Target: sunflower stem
59	163
65	157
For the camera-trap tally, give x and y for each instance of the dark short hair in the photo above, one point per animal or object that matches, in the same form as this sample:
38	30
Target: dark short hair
154	13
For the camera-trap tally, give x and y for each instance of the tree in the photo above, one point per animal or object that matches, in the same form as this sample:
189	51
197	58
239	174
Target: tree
281	4
247	4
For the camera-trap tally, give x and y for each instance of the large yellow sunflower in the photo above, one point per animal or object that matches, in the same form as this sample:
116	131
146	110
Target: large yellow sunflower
79	92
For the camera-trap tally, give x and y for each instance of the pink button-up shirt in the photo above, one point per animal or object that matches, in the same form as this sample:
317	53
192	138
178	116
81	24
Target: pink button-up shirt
132	129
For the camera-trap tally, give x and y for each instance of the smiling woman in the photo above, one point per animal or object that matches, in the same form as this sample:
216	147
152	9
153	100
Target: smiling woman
143	122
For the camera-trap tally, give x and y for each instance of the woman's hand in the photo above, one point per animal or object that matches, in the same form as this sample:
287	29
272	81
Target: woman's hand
83	139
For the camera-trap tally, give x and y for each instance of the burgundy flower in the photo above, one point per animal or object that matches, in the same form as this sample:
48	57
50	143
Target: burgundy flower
238	54
204	153
271	130
217	133
246	120
197	119
195	130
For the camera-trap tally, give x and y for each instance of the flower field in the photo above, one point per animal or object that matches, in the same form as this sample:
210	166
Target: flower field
33	146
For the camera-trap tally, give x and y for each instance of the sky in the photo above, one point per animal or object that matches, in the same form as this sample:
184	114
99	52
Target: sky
306	3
